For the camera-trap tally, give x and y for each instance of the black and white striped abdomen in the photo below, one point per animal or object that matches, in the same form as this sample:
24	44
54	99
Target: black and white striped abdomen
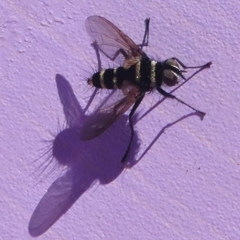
108	78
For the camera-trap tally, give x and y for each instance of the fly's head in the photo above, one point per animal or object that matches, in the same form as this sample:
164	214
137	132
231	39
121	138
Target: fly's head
170	72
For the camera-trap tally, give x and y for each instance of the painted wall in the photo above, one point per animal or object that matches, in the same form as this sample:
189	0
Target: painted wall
186	186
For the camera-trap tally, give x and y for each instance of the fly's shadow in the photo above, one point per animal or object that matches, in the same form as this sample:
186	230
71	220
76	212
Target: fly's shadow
88	161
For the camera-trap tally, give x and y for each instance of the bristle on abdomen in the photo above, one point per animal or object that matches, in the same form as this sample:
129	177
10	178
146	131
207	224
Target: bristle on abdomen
89	82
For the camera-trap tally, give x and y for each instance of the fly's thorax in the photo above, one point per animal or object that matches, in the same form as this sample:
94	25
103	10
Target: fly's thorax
170	72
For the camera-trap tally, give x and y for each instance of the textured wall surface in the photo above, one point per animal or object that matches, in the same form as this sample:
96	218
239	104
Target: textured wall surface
186	186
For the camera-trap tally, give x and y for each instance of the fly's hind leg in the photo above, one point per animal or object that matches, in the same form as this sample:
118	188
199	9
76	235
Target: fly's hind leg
121	51
146	34
143	44
96	48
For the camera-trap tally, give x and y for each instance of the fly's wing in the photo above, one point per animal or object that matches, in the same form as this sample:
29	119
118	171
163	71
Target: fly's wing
104	117
110	40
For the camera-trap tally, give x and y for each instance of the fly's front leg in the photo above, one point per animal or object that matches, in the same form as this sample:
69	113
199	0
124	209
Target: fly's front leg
200	68
207	65
169	95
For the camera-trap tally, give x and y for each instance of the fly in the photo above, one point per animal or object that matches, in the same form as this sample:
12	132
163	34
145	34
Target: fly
137	76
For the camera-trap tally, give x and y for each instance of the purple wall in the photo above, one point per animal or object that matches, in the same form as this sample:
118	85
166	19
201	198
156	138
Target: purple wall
187	186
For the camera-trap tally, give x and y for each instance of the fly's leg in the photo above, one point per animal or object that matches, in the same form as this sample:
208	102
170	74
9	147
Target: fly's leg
94	45
96	48
169	95
146	34
121	51
202	67
135	106
143	44
207	65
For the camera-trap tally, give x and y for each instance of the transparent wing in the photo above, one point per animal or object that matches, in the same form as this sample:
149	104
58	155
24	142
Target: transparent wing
111	40
104	117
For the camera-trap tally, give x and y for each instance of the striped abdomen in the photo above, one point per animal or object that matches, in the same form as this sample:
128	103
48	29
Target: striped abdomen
108	78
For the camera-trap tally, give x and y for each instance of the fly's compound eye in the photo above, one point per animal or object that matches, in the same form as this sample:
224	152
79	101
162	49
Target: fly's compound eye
170	72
